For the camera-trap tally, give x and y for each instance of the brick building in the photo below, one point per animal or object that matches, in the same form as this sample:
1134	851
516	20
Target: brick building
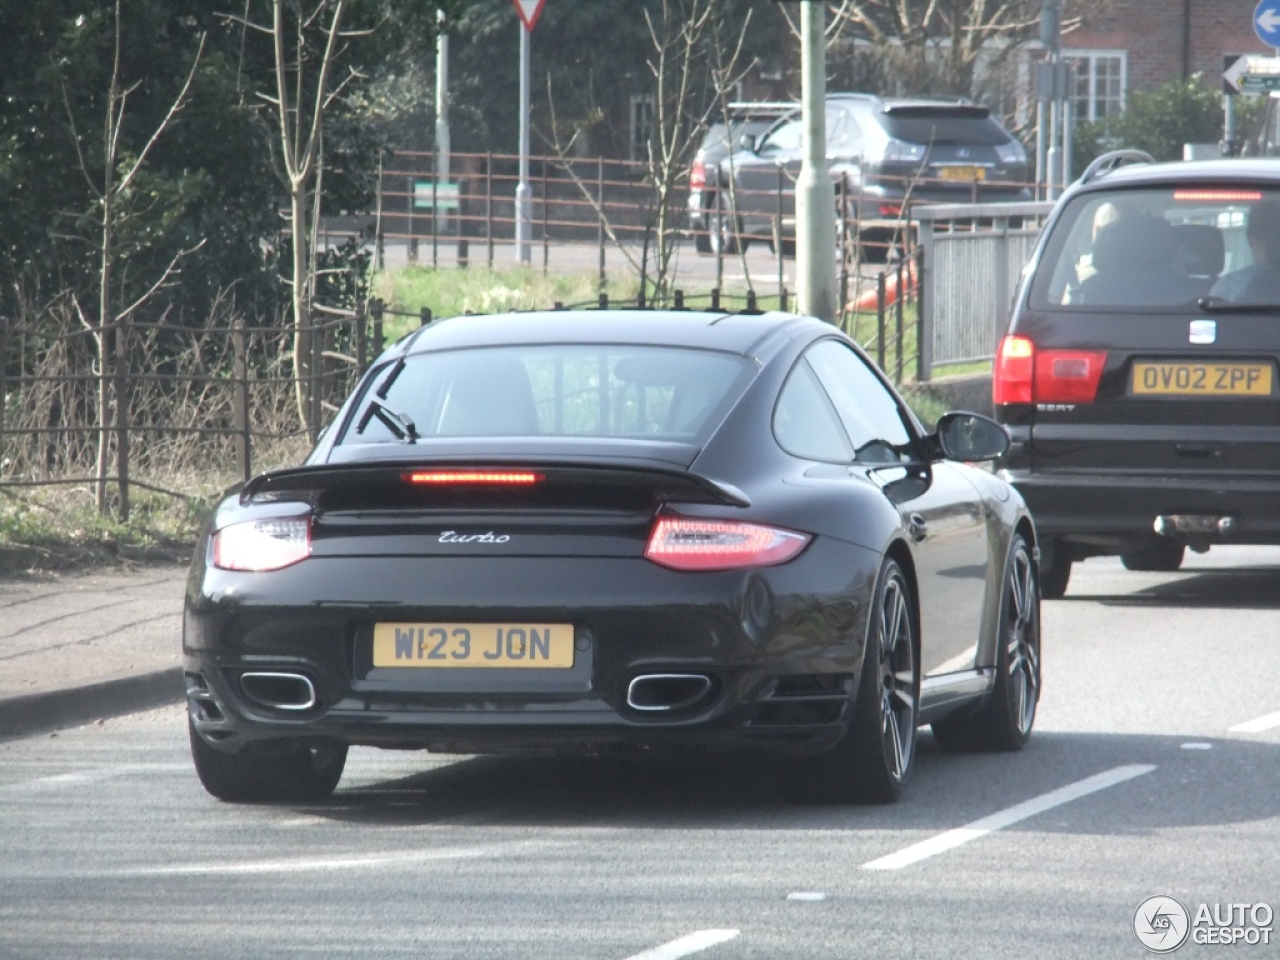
1142	44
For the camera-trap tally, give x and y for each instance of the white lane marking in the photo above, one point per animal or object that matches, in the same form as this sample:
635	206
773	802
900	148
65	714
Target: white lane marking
309	864
1257	726
78	777
807	896
693	943
1197	745
1007	817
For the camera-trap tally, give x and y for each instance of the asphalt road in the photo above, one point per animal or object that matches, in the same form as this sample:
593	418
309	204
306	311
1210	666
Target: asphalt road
1155	770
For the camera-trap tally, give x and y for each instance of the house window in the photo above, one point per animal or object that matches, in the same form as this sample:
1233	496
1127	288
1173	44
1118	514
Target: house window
641	127
1097	83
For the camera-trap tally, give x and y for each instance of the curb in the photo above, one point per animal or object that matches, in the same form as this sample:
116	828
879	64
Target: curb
37	712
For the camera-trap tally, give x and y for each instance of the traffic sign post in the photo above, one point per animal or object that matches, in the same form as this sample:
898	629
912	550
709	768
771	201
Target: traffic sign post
529	11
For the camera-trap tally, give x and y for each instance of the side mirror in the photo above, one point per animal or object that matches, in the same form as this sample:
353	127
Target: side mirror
970	437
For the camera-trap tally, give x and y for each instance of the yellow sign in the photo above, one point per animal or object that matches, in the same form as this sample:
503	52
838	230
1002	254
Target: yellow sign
963	174
1202	379
442	645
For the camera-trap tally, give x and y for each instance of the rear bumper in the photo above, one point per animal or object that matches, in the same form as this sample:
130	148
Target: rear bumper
1100	513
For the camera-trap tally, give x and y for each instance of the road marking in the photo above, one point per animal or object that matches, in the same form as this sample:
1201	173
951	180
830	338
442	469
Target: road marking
1197	745
693	943
310	864
79	777
1005	818
1257	726
807	896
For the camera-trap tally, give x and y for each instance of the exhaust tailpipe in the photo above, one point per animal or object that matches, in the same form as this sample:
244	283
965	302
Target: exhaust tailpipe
279	691
666	692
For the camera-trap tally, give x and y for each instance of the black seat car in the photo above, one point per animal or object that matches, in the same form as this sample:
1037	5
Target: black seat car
1138	376
884	154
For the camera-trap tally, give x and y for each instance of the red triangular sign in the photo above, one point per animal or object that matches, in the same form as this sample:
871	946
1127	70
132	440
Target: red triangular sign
528	10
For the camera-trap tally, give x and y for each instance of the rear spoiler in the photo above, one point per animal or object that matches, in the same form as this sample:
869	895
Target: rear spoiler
311	482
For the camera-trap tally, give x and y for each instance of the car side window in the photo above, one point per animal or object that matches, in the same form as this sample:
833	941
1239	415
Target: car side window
804	422
867	409
842	129
786	137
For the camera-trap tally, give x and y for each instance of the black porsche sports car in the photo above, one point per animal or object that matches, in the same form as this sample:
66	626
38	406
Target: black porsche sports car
584	530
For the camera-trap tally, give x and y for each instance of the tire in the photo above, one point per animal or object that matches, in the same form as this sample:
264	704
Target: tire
873	760
722	233
257	775
1055	572
1005	720
1161	556
702	238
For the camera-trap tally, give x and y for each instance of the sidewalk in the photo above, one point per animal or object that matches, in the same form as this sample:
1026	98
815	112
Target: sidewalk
75	647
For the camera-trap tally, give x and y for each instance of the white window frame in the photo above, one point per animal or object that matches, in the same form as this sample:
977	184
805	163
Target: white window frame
1091	106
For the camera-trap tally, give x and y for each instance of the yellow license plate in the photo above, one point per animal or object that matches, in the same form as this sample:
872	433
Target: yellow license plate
967	174
443	645
1202	379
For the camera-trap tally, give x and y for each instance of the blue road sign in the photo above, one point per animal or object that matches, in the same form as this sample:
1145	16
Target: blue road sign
1266	22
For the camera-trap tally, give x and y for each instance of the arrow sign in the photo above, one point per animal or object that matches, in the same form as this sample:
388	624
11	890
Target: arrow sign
1266	22
530	9
1252	74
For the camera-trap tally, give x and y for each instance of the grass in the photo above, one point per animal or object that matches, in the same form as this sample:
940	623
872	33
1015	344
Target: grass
58	527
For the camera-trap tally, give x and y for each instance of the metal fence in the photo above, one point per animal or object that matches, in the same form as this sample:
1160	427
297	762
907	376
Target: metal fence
973	260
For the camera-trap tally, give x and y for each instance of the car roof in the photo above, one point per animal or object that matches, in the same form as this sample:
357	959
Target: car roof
1226	170
755	334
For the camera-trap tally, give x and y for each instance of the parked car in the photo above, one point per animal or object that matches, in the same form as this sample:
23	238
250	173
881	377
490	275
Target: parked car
884	155
1138	377
577	531
742	120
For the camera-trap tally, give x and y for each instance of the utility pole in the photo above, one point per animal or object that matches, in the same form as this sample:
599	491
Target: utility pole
1051	83
815	195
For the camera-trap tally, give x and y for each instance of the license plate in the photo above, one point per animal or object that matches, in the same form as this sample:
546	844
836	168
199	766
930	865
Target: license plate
443	645
967	174
1201	379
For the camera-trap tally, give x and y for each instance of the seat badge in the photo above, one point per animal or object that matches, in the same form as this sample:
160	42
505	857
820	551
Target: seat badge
1204	331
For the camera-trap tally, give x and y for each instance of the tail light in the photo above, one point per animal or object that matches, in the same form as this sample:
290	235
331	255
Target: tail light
698	176
1024	374
501	478
683	543
890	210
260	545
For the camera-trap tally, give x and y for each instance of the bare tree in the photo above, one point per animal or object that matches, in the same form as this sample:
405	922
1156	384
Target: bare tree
941	46
687	56
308	40
115	199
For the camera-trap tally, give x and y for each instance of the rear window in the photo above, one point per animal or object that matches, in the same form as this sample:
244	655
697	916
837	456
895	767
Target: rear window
1162	248
945	126
571	390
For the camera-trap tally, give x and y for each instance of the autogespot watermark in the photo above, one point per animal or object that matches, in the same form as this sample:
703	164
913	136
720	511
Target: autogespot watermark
1163	924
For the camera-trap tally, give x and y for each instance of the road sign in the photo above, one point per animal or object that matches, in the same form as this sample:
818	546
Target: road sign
529	10
440	196
1251	73
1266	22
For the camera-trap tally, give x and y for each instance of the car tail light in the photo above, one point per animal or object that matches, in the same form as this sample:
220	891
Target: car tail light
260	545
500	478
683	543
697	175
1024	374
1218	196
1012	374
890	210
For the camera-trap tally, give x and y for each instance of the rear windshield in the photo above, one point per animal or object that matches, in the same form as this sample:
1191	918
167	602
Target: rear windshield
569	390
942	127
1163	248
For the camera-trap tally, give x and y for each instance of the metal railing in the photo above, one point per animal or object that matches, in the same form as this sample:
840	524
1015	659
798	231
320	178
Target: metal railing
973	260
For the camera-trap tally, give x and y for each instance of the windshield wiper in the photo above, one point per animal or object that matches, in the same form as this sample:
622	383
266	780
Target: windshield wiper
398	423
1220	305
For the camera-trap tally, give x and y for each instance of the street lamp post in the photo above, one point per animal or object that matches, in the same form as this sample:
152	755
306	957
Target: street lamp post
815	195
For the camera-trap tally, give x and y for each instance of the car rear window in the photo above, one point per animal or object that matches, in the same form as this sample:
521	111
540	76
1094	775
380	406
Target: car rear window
573	390
945	126
1161	249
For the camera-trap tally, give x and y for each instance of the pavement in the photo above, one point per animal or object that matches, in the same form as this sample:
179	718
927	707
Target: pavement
80	646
